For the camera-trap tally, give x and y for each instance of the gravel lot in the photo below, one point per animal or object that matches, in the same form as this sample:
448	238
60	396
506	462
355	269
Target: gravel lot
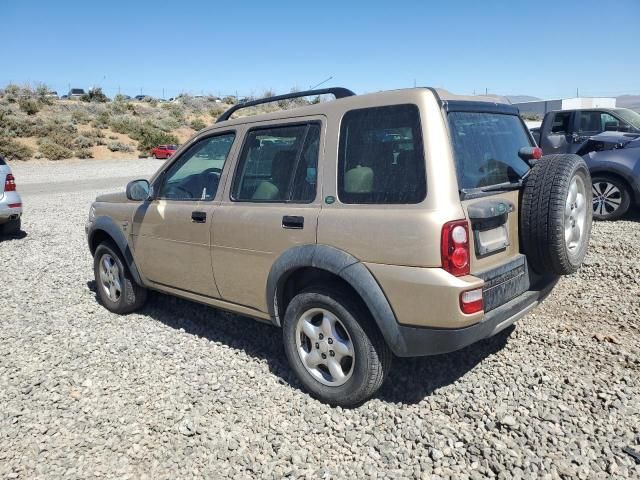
182	390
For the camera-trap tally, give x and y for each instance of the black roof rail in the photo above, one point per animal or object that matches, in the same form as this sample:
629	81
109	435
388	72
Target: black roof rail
337	92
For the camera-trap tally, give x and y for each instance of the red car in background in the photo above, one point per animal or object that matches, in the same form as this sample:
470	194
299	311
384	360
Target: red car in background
163	151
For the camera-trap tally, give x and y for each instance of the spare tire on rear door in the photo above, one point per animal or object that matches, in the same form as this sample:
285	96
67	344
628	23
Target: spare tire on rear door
555	214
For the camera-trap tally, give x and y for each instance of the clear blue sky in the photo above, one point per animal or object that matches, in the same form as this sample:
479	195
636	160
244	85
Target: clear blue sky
537	47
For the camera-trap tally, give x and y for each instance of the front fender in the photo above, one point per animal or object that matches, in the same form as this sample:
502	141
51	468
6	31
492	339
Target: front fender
108	226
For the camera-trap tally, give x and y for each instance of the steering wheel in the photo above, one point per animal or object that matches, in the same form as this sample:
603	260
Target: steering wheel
172	191
212	170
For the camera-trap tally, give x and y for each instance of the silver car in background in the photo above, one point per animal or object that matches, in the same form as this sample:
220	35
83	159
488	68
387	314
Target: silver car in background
10	201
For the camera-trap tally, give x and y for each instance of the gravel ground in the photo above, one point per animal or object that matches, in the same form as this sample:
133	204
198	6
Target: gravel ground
182	390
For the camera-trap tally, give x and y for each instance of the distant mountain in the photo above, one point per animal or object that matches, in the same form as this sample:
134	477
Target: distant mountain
521	98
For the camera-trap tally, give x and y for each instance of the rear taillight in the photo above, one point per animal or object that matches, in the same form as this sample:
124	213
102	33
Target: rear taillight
454	246
10	183
471	301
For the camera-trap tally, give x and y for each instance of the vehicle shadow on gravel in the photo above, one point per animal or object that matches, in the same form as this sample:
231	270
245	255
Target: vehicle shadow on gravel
410	379
14	236
413	379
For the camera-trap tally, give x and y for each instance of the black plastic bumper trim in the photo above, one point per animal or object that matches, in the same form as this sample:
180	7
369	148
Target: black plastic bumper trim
423	341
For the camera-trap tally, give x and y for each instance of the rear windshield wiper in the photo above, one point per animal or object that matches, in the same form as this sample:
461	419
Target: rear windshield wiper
503	187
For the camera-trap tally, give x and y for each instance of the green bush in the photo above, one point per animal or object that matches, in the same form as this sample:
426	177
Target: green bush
95	95
123	124
53	151
14	150
197	124
149	136
80	116
215	112
29	105
119	147
64	138
83	142
82	153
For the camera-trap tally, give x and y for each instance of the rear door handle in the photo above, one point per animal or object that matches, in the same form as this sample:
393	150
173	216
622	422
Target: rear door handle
199	217
289	221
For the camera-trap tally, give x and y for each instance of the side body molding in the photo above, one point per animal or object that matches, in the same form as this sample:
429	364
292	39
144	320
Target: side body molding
348	268
108	226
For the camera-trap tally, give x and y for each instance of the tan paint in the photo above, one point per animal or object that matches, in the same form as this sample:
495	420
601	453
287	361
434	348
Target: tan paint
426	296
400	244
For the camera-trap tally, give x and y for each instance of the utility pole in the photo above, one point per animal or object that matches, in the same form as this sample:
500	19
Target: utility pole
577	92
163	93
486	91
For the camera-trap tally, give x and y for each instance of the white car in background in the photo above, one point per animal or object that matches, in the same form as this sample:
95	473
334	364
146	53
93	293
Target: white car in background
10	201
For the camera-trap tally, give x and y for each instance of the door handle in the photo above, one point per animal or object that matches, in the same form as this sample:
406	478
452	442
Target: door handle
289	221
199	217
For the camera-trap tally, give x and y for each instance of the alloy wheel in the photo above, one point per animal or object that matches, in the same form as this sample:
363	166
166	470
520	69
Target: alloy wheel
325	347
110	277
575	214
607	198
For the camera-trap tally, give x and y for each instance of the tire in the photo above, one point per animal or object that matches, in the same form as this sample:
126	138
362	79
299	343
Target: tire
556	214
154	156
611	197
11	227
363	370
129	295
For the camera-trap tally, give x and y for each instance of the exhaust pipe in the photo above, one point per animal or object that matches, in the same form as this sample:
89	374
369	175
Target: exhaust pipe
14	217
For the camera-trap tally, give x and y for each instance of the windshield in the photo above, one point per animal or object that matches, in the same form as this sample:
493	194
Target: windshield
629	116
485	146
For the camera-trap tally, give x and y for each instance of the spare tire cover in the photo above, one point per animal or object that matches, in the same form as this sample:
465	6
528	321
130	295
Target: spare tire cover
555	214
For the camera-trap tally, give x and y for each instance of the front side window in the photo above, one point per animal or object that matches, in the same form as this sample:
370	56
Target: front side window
381	156
196	174
486	146
278	164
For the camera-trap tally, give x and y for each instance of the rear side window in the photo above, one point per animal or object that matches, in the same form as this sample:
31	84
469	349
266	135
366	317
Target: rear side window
278	164
485	147
381	156
2	162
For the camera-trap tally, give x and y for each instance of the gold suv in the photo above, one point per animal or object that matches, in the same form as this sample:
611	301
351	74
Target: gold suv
409	222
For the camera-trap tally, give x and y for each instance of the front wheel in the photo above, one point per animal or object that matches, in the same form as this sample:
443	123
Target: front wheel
611	198
117	290
334	347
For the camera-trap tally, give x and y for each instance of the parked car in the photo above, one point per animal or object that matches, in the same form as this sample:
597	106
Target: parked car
469	236
76	94
613	159
565	131
52	94
10	201
163	151
142	98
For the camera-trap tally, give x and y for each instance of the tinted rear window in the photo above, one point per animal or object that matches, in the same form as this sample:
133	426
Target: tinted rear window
485	146
381	157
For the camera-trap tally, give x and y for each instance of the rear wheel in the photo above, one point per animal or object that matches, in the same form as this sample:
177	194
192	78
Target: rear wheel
611	197
334	348
117	290
154	156
11	227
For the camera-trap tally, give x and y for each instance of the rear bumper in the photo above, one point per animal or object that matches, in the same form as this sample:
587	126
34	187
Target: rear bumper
420	341
10	213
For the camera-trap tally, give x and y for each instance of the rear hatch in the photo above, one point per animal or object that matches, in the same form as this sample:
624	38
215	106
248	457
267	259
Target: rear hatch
486	140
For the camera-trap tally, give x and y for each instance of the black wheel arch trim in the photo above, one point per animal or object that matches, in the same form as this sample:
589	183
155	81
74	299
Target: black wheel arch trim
109	227
348	268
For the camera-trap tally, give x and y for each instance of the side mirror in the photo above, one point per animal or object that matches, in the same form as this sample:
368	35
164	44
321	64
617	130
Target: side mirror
138	190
